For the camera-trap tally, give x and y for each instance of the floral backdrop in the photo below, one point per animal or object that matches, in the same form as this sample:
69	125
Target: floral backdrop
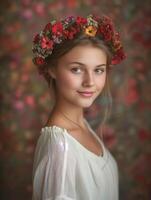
25	100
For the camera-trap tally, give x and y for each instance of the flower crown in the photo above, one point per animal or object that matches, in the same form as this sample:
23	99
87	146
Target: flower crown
67	29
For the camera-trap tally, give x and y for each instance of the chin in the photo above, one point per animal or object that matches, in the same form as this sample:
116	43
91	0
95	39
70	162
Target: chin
86	104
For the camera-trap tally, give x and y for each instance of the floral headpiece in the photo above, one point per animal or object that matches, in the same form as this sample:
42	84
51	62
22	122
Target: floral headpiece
56	32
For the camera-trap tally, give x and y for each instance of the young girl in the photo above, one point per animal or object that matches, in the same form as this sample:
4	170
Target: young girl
71	161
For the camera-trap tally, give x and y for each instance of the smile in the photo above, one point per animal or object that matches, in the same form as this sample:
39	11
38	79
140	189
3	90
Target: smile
86	94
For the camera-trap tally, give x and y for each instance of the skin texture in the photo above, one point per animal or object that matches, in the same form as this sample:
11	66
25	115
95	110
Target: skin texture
81	69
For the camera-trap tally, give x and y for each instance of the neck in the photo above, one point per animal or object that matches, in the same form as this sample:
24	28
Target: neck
73	112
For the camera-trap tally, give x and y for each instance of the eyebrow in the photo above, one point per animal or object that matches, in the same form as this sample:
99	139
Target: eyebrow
79	63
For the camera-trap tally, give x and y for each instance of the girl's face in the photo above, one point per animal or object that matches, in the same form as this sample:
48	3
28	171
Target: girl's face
80	75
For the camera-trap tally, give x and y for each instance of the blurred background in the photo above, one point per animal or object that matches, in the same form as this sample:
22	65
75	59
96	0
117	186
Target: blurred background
25	101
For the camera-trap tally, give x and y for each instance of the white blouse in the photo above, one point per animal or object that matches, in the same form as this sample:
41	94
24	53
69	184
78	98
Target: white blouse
64	169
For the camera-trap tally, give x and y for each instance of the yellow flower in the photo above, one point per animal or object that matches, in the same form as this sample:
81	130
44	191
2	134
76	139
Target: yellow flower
91	31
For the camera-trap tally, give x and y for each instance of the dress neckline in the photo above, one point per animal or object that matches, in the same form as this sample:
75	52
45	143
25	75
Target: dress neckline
101	155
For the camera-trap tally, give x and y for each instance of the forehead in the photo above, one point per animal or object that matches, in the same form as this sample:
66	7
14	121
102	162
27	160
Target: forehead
87	54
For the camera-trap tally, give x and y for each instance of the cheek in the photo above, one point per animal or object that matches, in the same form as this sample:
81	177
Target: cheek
68	81
100	82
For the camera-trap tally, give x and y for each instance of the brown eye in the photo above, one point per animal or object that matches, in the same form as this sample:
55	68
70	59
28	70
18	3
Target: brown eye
100	70
76	70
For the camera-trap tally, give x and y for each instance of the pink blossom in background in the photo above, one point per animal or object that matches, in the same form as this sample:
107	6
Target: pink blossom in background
40	8
24	78
19	105
30	101
27	14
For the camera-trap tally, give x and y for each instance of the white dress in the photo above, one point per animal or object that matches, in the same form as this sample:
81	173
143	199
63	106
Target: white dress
64	169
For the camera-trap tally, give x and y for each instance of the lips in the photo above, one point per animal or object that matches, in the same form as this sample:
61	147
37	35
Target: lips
86	93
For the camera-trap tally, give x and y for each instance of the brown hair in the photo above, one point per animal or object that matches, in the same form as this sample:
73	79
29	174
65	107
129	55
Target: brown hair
65	47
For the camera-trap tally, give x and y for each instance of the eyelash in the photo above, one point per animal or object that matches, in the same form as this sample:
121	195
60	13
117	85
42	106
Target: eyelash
75	70
102	70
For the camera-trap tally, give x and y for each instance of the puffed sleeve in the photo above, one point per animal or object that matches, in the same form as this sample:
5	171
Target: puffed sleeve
53	167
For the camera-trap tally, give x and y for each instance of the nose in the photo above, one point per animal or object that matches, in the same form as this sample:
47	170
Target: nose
88	79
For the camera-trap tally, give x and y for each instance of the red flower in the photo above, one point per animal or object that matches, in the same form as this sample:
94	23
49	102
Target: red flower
107	21
68	28
115	60
46	43
81	20
39	61
107	31
108	36
57	28
102	30
47	27
116	41
69	34
36	38
120	55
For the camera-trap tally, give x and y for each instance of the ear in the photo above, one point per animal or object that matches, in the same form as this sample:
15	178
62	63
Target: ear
52	72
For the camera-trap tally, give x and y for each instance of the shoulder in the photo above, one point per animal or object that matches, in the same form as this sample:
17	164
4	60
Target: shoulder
51	139
52	134
51	142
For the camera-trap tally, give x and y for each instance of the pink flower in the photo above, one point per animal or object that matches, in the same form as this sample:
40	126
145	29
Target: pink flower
39	61
27	14
46	43
19	105
29	100
40	8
